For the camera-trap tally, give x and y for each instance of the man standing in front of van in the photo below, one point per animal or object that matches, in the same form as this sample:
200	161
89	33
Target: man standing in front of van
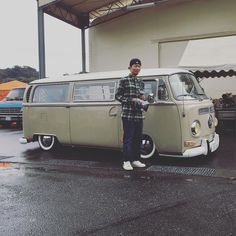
130	94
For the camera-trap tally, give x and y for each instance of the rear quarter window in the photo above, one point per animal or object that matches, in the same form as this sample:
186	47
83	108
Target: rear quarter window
54	93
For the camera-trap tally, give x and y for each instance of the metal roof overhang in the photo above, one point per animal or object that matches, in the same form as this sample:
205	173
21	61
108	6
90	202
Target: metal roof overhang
88	13
212	57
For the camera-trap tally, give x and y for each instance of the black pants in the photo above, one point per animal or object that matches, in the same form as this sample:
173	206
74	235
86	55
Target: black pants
132	139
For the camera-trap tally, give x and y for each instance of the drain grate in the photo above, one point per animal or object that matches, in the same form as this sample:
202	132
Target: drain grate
184	170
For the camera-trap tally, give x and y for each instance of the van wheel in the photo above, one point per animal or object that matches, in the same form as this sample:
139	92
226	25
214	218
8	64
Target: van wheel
47	142
148	147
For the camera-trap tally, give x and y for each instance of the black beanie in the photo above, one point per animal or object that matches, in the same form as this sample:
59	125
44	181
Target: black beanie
134	61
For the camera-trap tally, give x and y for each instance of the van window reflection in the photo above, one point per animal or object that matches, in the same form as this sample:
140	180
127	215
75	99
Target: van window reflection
162	90
156	87
51	93
15	94
185	86
94	92
150	87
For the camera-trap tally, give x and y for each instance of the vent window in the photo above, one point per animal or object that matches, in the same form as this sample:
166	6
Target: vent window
28	93
54	93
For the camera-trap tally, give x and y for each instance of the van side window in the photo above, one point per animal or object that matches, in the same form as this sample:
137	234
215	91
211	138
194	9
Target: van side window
157	87
150	87
162	92
51	93
102	91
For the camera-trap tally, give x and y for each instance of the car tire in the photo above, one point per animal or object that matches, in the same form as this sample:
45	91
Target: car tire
148	147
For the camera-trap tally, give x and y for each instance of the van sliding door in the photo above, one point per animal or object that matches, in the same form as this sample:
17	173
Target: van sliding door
48	113
94	114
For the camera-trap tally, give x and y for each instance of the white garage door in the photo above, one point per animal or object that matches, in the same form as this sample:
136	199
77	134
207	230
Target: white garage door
170	53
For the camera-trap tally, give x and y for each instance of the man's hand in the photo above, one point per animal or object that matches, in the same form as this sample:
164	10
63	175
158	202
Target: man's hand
141	104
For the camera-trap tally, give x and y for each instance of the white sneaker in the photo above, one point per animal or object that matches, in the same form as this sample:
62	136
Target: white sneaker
127	165
138	164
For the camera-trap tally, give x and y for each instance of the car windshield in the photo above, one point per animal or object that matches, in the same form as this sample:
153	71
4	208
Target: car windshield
186	86
15	94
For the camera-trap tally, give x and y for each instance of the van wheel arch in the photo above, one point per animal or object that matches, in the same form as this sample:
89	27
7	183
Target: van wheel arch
47	142
148	147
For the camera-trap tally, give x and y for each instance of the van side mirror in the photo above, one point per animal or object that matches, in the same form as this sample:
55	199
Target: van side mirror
162	93
150	98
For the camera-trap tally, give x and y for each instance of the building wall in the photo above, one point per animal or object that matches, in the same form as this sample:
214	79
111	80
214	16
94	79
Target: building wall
159	35
215	87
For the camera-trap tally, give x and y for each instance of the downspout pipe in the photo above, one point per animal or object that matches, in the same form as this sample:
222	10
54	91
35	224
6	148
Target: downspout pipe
83	50
41	43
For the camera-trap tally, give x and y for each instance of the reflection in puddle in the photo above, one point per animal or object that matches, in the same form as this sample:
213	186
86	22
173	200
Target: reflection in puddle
5	164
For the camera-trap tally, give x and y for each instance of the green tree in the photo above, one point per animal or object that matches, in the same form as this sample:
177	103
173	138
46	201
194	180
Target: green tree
22	73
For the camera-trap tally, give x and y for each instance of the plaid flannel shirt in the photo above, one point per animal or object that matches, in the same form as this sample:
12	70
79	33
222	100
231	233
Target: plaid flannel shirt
129	88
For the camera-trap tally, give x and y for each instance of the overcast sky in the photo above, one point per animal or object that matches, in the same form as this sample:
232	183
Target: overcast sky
19	39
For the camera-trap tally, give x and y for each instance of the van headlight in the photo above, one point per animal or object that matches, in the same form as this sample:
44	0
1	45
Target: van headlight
196	128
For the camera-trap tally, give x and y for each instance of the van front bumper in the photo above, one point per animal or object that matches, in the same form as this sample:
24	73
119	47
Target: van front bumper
205	147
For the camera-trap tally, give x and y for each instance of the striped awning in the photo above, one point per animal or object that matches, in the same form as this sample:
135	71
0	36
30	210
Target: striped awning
211	57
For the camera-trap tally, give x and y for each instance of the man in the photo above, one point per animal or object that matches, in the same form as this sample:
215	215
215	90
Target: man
130	94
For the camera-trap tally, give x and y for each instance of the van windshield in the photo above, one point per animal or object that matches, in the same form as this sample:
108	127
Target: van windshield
15	94
186	86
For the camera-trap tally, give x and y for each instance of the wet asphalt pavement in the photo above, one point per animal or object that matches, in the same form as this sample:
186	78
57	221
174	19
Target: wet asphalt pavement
79	191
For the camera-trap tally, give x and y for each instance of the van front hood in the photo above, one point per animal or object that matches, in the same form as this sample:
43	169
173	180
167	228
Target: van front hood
199	112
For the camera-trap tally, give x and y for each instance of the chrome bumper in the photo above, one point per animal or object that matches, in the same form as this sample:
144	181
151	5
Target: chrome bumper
204	148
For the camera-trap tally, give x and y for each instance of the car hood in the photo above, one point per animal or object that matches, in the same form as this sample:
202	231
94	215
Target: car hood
11	103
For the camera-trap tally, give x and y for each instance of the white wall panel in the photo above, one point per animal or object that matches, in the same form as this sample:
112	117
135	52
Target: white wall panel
138	34
170	53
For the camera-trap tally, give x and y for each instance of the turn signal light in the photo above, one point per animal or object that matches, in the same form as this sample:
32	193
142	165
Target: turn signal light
189	144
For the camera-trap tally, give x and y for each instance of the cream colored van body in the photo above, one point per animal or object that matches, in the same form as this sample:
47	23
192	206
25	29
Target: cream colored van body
82	110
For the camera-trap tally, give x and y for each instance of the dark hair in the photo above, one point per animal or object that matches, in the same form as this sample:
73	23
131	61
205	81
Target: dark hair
134	61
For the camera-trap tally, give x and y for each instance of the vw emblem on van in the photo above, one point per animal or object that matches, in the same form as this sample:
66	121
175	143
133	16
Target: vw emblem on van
210	121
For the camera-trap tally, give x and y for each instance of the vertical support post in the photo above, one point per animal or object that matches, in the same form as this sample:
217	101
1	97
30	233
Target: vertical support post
83	50
41	43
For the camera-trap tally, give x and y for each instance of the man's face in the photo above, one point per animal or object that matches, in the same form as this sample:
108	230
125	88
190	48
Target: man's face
134	69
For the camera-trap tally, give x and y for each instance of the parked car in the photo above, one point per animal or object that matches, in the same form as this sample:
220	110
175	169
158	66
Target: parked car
11	107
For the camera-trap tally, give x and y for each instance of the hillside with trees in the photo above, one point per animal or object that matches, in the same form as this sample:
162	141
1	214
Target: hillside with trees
24	74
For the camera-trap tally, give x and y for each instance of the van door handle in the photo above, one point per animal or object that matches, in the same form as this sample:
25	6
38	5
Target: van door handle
111	112
67	106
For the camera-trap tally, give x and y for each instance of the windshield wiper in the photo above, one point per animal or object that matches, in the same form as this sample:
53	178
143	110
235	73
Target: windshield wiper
185	95
199	93
193	95
14	99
